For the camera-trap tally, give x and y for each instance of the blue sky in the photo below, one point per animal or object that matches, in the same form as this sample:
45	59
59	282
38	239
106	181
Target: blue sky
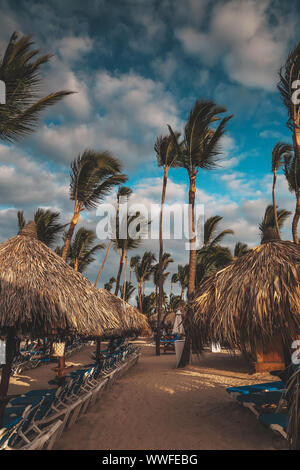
137	65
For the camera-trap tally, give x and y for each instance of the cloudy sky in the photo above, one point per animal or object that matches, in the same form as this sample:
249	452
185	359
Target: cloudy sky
138	65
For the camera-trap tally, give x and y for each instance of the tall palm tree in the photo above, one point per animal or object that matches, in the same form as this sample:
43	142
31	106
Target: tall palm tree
269	219
83	248
288	76
47	223
93	175
20	71
200	150
240	249
279	153
292	174
167	156
109	285
123	192
143	270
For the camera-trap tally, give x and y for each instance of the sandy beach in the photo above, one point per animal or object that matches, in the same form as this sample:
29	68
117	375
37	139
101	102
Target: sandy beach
155	406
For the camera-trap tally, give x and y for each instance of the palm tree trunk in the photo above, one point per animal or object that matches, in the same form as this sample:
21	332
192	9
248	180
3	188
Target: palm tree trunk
140	296
160	261
69	236
76	264
122	260
125	275
103	264
193	254
186	353
274	204
296	218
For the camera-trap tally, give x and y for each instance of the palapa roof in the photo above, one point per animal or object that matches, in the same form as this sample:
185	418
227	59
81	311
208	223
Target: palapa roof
254	298
40	295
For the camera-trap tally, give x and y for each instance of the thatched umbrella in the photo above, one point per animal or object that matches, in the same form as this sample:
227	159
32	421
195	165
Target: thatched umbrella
252	300
40	295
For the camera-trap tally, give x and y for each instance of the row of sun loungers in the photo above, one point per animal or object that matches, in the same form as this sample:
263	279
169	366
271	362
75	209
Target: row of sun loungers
36	420
267	401
30	358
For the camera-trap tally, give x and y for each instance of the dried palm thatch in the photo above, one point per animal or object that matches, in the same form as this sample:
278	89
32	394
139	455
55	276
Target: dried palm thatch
40	295
253	299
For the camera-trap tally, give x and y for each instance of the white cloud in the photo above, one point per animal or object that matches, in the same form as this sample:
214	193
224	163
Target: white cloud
241	36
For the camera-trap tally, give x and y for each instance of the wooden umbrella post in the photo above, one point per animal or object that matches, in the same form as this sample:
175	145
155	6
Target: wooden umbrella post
98	350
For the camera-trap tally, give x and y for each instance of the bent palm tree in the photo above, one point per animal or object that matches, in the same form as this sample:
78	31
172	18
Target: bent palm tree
20	71
93	175
82	249
289	74
167	156
279	153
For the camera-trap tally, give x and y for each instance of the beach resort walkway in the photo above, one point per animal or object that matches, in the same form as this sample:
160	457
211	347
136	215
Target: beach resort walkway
156	406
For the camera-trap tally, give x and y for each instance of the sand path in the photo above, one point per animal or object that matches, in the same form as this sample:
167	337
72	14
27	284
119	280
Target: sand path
155	406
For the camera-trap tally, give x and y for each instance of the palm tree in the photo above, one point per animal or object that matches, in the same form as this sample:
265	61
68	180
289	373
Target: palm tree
143	270
288	76
182	277
20	71
109	285
93	175
147	305
83	248
240	249
200	150
167	156
127	290
211	238
279	153
269	219
48	226
123	192
124	244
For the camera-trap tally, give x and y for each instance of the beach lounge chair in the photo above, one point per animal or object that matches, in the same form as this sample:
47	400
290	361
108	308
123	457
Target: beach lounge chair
256	402
168	342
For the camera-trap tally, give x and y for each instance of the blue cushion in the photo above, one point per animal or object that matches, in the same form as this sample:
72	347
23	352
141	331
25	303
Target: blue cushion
268	386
